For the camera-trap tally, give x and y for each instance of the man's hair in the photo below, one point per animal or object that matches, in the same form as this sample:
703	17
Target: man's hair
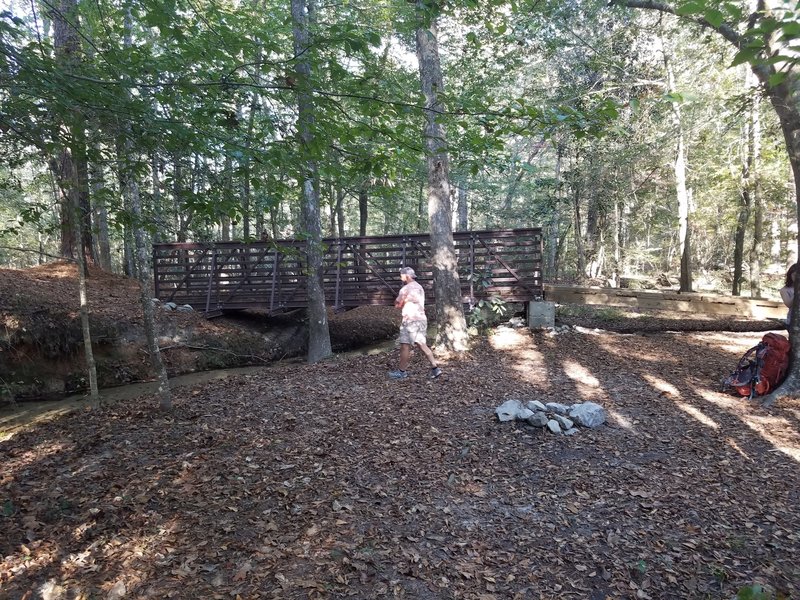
408	271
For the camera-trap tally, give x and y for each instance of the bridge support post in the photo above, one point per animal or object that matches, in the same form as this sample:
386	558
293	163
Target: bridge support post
541	315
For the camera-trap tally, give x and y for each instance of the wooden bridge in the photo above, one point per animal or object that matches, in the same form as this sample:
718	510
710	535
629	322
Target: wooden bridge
356	271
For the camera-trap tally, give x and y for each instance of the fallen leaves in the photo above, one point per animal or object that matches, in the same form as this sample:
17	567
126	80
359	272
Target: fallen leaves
332	481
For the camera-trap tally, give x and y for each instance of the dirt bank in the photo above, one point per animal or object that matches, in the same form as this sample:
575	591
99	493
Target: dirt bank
41	352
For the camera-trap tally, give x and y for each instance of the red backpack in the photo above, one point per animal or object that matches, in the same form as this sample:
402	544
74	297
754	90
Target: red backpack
762	368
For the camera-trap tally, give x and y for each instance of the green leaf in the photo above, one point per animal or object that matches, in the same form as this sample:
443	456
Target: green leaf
745	55
714	17
776	78
690	8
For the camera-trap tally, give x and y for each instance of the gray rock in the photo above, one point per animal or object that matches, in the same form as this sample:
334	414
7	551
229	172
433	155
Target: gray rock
524	413
559	409
564	422
553	426
508	410
535	405
538	419
588	414
572	431
170	306
185	308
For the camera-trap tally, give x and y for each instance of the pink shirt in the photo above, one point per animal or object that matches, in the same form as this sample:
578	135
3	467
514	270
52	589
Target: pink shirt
412	299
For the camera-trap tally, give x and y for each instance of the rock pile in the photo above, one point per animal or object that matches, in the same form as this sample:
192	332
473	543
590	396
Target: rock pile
557	418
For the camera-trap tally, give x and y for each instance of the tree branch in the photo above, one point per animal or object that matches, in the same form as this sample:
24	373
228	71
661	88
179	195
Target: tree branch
725	30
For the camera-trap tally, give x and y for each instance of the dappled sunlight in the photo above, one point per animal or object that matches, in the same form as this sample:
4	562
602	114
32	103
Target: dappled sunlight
777	431
528	361
733	444
586	384
620	419
617	347
697	414
660	384
725	401
508	339
25	459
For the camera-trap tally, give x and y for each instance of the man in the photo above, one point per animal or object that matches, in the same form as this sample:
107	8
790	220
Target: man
414	327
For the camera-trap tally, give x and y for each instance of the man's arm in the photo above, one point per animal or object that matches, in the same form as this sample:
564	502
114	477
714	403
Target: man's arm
401	298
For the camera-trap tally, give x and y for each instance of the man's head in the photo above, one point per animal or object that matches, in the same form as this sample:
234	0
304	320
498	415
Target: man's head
407	274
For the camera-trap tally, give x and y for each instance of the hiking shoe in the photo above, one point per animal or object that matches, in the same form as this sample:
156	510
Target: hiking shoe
435	372
398	374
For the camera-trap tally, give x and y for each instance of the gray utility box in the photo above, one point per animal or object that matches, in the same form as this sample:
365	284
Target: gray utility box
541	314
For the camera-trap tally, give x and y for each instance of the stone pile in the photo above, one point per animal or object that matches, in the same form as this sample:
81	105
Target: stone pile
557	418
171	306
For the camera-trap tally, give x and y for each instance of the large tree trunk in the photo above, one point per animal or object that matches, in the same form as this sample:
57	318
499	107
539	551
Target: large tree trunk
452	334
71	167
91	367
319	342
99	191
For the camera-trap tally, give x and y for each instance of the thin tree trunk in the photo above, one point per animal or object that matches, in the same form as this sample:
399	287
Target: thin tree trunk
745	205
452	333
340	194
99	191
158	209
142	248
319	341
756	251
363	208
684	208
463	206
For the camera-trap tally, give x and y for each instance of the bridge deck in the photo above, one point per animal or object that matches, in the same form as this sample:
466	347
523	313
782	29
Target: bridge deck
356	271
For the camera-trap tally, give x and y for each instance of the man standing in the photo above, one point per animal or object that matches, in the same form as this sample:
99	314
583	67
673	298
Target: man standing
414	327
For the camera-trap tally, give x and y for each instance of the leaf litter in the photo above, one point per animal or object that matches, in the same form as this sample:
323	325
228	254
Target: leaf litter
332	481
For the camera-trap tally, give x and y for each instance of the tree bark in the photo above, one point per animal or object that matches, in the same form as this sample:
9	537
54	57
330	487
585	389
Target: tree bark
463	206
682	194
91	367
756	249
319	341
363	208
452	333
745	205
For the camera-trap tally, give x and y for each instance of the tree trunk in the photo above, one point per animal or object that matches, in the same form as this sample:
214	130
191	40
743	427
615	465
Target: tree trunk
142	249
340	194
452	334
99	192
363	209
319	341
756	251
91	367
155	161
745	205
463	207
578	228
684	208
70	167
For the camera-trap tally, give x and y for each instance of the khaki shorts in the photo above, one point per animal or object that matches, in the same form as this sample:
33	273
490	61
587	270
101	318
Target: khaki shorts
413	332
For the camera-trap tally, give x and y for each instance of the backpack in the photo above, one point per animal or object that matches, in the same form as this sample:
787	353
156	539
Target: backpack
762	368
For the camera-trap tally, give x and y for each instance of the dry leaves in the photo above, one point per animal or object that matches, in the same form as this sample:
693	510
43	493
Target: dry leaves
333	481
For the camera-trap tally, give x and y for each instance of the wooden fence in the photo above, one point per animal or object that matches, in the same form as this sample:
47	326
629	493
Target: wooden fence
356	271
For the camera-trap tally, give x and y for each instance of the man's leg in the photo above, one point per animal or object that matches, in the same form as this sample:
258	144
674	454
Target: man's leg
427	352
405	356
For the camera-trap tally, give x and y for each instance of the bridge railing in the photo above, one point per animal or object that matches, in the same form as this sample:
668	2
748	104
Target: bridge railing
356	270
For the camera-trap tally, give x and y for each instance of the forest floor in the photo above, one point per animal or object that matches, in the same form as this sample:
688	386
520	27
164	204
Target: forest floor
332	481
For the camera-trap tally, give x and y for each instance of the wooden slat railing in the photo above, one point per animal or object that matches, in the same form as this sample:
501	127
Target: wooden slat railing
356	270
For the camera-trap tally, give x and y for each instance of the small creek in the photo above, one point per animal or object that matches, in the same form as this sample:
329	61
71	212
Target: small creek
16	418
